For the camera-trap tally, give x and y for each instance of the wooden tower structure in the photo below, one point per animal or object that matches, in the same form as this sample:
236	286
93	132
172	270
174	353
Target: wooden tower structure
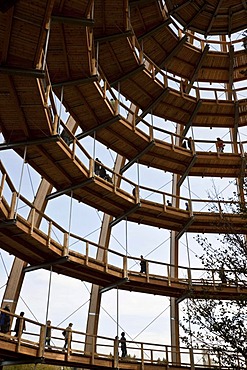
153	81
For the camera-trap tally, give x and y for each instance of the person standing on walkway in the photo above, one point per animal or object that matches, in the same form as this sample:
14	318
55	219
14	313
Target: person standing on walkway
67	335
48	334
123	344
19	325
5	321
143	265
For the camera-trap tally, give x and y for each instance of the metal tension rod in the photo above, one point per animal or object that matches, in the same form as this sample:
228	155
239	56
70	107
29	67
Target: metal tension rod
96	128
113	37
118	219
189	123
72	20
36	73
18	144
155	29
115	285
180	299
132	161
58	261
79	81
192	162
130	74
181	232
67	190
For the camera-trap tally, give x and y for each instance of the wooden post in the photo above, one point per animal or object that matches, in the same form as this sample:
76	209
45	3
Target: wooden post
32	220
115	355
2	184
142	357
125	271
12	206
65	244
42	334
49	234
87	250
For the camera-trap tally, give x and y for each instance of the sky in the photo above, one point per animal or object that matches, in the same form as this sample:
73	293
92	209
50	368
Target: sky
143	317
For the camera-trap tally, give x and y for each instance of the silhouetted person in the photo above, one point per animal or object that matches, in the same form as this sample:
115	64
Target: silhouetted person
184	145
102	172
123	344
222	275
19	325
65	136
5	321
48	334
97	166
143	265
113	103
169	203
187	206
220	145
245	40
68	332
184	84
190	143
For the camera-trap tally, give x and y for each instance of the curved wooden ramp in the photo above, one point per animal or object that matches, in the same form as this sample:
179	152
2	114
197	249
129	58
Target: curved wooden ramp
37	247
30	348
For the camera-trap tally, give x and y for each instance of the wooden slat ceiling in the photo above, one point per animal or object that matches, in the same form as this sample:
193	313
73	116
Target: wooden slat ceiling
214	17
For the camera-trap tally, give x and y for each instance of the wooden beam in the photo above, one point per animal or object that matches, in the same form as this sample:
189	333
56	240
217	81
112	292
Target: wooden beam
69	189
20	144
199	64
7	35
185	228
114	37
192	162
189	123
139	155
213	17
125	215
99	127
153	104
72	20
78	82
187	26
174	51
128	75
12	71
155	29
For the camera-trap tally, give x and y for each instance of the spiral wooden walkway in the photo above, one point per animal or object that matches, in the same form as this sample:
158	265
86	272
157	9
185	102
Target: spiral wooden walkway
87	52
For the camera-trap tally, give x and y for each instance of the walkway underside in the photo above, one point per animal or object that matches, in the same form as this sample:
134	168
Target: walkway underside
21	238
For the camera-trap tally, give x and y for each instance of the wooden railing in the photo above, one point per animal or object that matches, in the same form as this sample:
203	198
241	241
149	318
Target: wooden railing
65	241
34	337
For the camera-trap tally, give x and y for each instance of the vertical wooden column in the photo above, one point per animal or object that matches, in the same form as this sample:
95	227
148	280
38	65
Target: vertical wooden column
16	277
95	299
174	254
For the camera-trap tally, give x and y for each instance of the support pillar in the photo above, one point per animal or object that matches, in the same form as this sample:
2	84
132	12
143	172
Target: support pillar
16	277
95	299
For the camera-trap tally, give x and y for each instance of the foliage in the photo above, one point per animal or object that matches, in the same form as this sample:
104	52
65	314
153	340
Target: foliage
218	325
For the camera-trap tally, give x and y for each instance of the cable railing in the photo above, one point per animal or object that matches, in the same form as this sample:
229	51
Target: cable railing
38	340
